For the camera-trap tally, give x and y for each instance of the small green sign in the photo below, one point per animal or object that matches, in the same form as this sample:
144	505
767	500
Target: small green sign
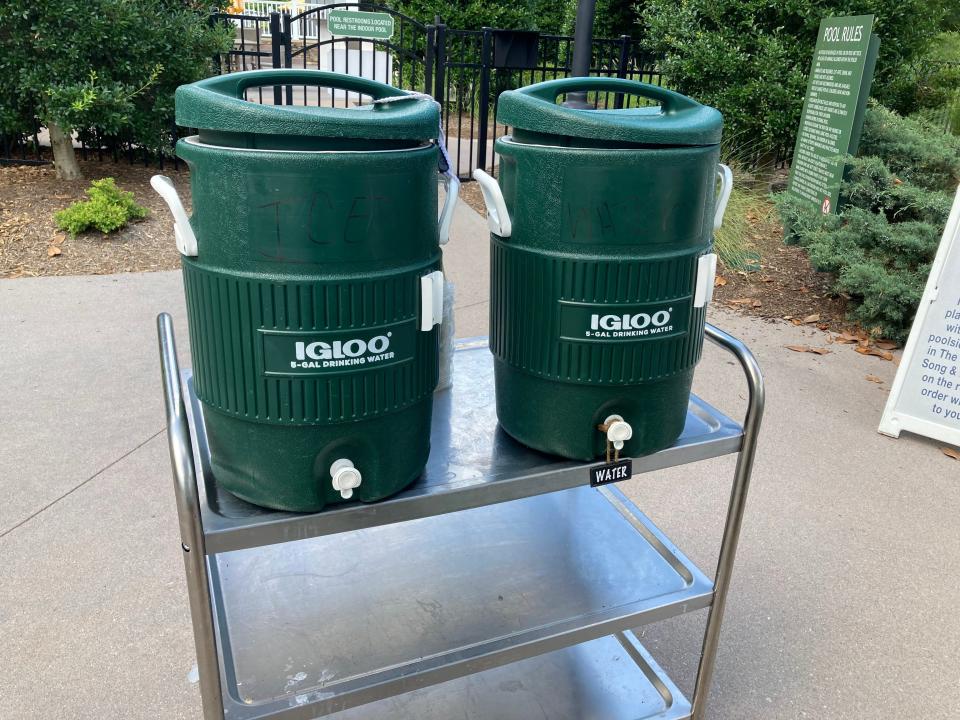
832	118
359	24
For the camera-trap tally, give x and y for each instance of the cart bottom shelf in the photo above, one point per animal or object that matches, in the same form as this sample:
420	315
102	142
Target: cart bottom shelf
611	678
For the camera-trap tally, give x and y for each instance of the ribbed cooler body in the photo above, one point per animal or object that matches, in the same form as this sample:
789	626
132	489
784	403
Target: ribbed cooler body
304	305
592	296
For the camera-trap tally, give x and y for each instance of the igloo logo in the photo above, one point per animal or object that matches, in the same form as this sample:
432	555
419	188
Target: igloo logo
637	321
342	349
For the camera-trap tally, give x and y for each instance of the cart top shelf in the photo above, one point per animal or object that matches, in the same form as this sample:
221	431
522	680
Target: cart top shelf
472	463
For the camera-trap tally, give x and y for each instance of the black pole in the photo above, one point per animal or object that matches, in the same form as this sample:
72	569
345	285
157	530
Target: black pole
582	49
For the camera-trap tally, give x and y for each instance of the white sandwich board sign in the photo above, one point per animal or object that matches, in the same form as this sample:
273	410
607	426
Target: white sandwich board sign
925	397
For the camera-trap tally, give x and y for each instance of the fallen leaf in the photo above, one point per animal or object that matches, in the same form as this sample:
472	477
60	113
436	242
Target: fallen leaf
719	281
757	303
796	321
823	326
846	338
874	379
950	452
57	238
812	318
53	251
886	344
766	279
863	350
807	349
742	301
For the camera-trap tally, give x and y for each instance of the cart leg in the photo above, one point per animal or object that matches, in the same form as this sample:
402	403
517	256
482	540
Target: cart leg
191	529
731	531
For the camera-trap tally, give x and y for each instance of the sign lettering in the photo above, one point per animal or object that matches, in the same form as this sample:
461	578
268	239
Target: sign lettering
832	118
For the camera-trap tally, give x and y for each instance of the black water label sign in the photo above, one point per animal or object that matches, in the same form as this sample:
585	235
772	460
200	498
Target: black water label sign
611	472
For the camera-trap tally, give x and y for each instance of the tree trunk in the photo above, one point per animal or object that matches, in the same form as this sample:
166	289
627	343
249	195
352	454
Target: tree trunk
64	158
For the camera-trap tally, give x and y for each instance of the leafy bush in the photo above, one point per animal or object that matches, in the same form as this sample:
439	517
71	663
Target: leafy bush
750	58
930	85
912	150
894	203
102	67
109	208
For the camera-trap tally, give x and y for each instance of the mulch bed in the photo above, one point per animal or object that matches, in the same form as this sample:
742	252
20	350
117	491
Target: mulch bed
785	287
31	244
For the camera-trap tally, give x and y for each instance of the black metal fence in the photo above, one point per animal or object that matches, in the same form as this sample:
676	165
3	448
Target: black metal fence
464	70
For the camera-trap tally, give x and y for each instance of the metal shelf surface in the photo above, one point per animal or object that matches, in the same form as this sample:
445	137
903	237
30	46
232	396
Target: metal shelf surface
611	678
337	621
472	463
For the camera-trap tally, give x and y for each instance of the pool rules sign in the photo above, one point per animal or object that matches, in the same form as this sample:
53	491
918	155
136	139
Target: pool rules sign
833	109
925	397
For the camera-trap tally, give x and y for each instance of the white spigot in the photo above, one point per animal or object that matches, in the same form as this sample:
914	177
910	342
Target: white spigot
618	431
345	477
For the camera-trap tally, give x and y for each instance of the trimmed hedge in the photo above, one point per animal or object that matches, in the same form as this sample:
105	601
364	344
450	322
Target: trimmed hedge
894	204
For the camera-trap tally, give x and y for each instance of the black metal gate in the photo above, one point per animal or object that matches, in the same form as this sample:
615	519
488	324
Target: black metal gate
464	70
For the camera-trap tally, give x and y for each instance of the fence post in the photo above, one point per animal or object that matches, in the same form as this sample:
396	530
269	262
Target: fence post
429	60
441	60
287	51
276	40
485	50
622	68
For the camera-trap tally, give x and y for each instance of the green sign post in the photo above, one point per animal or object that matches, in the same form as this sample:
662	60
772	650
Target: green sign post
359	24
836	99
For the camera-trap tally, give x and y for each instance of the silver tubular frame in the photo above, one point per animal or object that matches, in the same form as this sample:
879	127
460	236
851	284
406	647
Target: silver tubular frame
193	544
738	502
191	530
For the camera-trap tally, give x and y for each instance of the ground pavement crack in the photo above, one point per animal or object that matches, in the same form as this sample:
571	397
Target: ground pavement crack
80	485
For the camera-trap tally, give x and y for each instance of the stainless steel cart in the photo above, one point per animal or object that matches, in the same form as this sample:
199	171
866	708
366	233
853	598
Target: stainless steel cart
481	592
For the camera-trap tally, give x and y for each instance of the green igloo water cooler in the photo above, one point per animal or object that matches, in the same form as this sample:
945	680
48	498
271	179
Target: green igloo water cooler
311	269
601	264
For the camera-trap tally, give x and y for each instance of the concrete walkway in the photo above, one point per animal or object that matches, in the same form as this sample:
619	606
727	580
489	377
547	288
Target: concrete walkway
842	601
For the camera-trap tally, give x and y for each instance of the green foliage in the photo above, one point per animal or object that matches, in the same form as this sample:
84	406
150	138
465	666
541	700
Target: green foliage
109	208
102	67
912	150
930	86
745	209
894	202
750	58
475	14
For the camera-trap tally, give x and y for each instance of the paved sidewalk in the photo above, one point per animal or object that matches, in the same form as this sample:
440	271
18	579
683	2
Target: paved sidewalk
841	604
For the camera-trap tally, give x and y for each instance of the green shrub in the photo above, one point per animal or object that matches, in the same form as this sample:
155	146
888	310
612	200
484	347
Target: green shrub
751	58
894	205
913	150
109	208
103	67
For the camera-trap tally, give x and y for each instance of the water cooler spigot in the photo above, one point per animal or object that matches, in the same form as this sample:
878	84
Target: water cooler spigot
345	477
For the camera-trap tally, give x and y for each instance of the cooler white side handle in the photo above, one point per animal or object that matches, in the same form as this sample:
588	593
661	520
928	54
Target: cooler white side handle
182	231
451	186
498	219
431	300
726	187
706	274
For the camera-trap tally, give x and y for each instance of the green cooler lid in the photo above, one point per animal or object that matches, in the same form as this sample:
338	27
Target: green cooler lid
677	120
216	104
